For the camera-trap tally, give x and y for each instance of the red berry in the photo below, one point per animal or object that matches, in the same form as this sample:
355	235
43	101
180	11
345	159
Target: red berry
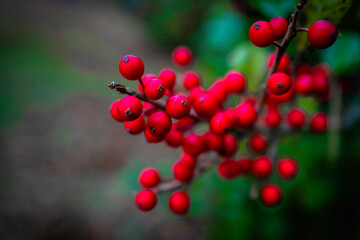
245	115
274	100
183	172
284	64
193	144
149	178
177	106
191	80
235	82
279	83
205	105
230	146
287	168
262	167
129	108
220	123
194	93
179	202
159	124
154	89
182	56
322	34
214	141
262	34
185	123
229	113
131	67
258	143
174	138
304	84
113	110
280	26
272	117
318	123
321	80
228	169
244	165
218	90
149	109
150	138
270	195
296	118
168	77
145	200
135	127
188	160
145	79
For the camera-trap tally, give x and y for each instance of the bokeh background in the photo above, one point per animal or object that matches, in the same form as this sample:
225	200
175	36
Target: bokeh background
69	171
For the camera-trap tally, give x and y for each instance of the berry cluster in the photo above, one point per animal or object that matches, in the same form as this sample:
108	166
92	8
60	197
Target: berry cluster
177	113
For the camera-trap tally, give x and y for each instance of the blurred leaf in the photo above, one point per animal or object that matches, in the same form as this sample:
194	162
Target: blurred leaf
274	8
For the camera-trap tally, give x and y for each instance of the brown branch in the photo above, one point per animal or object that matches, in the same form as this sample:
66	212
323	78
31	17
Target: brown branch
276	44
302	29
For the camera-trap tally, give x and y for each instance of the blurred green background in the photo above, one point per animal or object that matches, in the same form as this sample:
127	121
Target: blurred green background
68	171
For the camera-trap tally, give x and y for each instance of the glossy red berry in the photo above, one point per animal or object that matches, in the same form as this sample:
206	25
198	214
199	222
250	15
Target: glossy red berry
150	138
280	26
191	80
218	90
145	79
262	34
220	123
244	165
179	202
159	124
177	106
188	160
113	111
174	138
182	56
321	80
304	84
149	177
205	105
296	118
322	34
183	172
262	167
279	83
284	64
274	100
135	127
168	77
235	82
229	147
318	123
228	169
213	141
245	115
129	108
270	195
185	123
287	168
131	67
193	144
145	200
272	117
258	143
154	89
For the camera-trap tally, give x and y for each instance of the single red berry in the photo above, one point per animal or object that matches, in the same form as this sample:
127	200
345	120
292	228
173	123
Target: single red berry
229	147
179	202
218	90
279	83
270	195
185	123
168	77
205	105
194	93
245	115
244	165
188	160
159	124
145	200
284	64
191	80
149	177
213	141
322	34
296	118
135	127
129	108
229	113
304	84
177	106
272	117
318	123
274	100
321	80
287	168
182	56
150	138
193	144
154	89
228	169
113	111
280	26
220	123
149	109
145	79
262	167
235	82
262	34
131	67
183	172
174	138
258	143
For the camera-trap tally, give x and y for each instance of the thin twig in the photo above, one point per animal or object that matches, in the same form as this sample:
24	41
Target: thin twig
302	29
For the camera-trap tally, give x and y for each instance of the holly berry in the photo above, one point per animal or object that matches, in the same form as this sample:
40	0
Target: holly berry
304	84
145	79
321	80
168	78
235	82
145	200
280	26
272	117
205	105
183	172
174	138
150	138
179	202
177	106
188	160
258	142
129	108
284	64
262	34
262	167
287	168
193	144
322	34
185	123
131	67
154	89
191	80
213	141
228	169
220	123
245	115
244	165
113	111
296	118
318	123
230	146
219	91
182	56
149	178
135	127
159	124
279	83
270	195
274	100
